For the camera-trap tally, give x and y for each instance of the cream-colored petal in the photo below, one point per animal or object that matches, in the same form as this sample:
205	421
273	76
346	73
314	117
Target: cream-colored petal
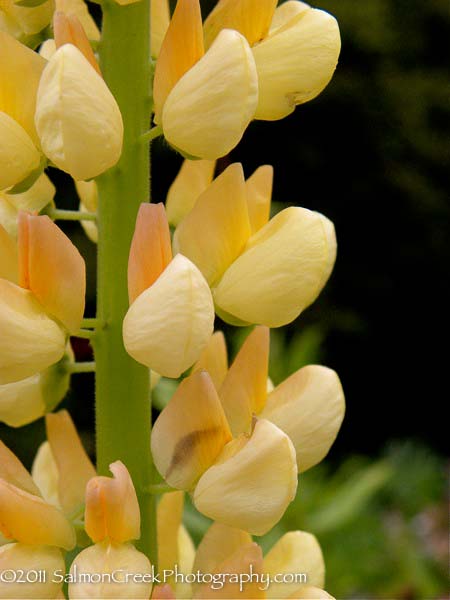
8	256
192	179
22	402
295	552
282	271
20	73
77	118
309	406
90	227
169	516
35	198
45	474
13	471
19	157
150	250
29	519
47	49
32	20
259	196
214	359
252	489
79	9
67	29
190	432
168	325
219	544
30	340
88	193
220	213
286	12
243	392
252	18
8	221
186	556
159	22
119	559
310	592
112	509
181	48
245	560
52	268
74	466
208	110
31	559
296	62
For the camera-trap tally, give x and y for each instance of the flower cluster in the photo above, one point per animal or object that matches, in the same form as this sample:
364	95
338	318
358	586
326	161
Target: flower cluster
227	436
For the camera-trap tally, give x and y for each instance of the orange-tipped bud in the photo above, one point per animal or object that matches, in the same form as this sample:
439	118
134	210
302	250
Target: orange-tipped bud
112	509
68	30
52	268
181	49
150	251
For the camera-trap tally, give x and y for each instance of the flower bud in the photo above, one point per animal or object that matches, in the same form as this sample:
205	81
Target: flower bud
159	22
30	341
115	560
34	559
309	406
252	488
79	9
19	157
77	118
214	359
112	509
282	270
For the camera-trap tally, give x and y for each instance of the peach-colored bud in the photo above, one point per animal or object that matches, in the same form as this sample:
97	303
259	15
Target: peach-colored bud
68	30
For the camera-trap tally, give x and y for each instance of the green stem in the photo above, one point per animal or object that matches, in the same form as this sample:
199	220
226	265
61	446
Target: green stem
123	405
160	488
90	322
81	367
86	334
58	214
151	134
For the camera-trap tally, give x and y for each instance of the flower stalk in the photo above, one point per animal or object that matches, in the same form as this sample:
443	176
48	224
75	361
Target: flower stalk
123	404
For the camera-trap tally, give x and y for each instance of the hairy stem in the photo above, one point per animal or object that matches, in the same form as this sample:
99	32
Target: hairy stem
123	404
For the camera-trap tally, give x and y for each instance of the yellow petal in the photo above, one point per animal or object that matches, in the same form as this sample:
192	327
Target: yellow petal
47	49
214	359
21	402
252	489
52	268
208	110
30	20
193	179
13	471
112	509
169	516
282	271
220	213
244	561
296	62
20	72
45	474
295	552
186	555
67	29
77	118
159	22
252	18
117	559
73	464
29	519
219	544
259	196
8	221
19	157
35	198
286	12
88	194
31	559
90	227
244	390
181	48
163	592
168	325
309	406
30	340
151	249
190	432
8	257
79	9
